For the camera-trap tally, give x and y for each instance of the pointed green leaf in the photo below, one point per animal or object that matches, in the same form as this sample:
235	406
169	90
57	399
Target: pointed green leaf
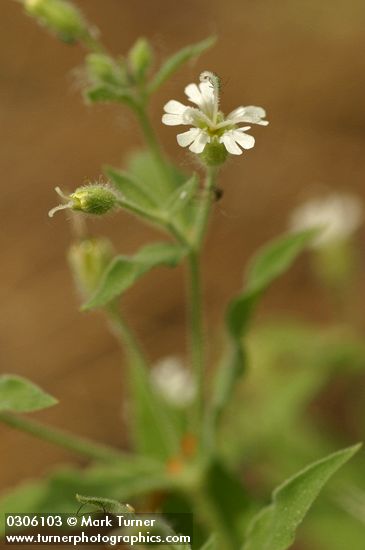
182	197
268	264
173	63
55	492
124	271
211	544
160	180
17	394
275	526
140	58
271	261
106	504
131	188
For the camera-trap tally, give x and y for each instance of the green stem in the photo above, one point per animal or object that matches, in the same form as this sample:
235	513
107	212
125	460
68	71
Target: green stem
196	338
92	43
205	208
80	445
124	334
151	139
195	301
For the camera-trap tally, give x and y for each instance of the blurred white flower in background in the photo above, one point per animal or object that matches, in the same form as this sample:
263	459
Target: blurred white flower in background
173	381
208	123
339	215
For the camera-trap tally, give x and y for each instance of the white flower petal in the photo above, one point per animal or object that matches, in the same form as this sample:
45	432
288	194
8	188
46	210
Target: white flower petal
229	142
251	114
174	107
246	141
207	91
202	96
194	94
173	120
199	143
186	138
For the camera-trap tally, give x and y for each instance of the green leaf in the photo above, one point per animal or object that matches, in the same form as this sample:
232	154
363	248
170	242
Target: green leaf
124	271
55	493
160	183
140	58
131	188
19	395
182	197
106	504
173	63
275	526
230	501
270	262
211	544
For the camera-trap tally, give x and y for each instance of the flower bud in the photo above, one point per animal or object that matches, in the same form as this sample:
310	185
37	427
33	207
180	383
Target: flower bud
88	260
140	58
104	69
214	154
95	199
60	17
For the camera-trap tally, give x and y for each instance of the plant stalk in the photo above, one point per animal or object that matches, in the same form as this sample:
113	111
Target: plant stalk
80	445
151	139
195	301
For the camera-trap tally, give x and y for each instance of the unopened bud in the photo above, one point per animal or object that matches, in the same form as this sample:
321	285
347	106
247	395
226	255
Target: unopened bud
140	58
60	17
88	260
95	199
102	68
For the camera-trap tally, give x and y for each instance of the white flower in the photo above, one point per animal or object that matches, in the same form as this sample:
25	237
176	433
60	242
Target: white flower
338	214
173	381
207	122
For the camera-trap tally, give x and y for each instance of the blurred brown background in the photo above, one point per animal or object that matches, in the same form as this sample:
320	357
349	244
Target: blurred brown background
302	60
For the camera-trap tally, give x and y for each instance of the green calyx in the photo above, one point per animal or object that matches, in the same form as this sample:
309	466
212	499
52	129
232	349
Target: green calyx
93	199
88	259
96	198
214	153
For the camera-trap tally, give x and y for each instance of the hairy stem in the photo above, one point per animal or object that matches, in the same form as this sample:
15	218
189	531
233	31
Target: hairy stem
80	445
205	207
151	139
197	343
196	337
